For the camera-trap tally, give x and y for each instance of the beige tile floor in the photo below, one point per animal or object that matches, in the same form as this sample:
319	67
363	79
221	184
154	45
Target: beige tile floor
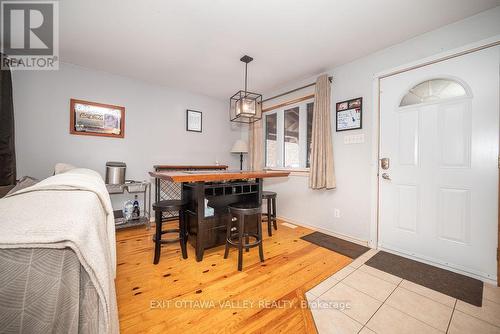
362	299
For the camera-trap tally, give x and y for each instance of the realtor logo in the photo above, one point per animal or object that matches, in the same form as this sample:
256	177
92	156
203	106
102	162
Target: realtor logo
30	35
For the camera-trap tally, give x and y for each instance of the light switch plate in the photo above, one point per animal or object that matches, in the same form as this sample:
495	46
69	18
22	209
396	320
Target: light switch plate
354	139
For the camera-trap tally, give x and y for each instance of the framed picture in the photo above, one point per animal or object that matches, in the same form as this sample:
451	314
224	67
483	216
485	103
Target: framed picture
96	119
343	106
194	120
349	114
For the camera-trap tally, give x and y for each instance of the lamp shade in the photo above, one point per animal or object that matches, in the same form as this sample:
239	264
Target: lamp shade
245	107
240	146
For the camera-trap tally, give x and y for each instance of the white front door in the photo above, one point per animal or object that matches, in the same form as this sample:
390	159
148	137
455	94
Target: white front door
439	129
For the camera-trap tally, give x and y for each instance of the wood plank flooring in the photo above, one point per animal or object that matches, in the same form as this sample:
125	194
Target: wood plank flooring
185	296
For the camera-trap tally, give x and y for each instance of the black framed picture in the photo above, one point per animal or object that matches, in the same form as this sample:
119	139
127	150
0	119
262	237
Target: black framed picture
194	120
349	114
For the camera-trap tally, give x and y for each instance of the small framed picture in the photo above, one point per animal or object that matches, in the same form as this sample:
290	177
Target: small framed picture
356	103
343	106
194	120
96	119
349	114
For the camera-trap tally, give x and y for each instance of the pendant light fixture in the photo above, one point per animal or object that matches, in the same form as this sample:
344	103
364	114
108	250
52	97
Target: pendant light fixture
245	106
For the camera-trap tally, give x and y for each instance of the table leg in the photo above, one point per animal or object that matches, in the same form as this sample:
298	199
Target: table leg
200	215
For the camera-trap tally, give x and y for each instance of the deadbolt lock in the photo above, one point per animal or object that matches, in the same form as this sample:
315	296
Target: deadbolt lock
384	163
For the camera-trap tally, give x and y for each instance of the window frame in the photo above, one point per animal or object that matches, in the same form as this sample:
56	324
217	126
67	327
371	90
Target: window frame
280	137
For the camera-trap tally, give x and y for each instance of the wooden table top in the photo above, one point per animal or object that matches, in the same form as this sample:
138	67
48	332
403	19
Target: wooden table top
190	167
209	176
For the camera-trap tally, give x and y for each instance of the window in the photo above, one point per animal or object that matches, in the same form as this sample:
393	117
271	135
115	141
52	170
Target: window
288	136
310	107
271	141
292	138
433	90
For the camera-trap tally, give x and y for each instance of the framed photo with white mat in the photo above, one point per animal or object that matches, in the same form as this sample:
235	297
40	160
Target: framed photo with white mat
194	120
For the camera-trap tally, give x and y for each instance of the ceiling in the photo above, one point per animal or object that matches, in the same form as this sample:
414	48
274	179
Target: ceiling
196	45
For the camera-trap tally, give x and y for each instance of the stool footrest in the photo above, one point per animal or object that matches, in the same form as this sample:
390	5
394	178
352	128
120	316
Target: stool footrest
236	243
170	230
167	241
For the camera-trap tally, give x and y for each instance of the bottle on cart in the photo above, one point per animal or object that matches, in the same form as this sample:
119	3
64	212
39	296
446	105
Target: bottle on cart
136	212
128	208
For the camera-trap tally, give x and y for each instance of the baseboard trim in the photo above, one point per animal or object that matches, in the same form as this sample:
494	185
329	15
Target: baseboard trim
333	234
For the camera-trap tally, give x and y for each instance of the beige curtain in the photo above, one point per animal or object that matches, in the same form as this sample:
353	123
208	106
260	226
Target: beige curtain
256	146
322	174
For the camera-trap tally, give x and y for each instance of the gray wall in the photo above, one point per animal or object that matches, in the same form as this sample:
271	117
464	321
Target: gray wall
155	124
354	162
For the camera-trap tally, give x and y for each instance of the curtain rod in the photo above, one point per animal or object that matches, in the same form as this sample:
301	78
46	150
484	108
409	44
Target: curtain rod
292	91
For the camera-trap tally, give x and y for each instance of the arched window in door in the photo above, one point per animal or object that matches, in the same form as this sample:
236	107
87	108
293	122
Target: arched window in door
432	91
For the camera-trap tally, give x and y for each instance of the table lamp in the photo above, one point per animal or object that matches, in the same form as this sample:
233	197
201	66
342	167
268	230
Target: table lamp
240	147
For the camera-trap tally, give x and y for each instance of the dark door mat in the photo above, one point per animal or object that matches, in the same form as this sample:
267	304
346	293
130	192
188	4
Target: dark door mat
341	246
465	288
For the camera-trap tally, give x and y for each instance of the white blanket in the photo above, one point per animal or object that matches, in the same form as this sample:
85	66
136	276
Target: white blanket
72	209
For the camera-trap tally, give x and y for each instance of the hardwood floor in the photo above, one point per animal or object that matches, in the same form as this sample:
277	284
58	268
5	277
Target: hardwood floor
185	296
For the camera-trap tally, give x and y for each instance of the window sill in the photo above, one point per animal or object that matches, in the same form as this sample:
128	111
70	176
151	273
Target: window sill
293	171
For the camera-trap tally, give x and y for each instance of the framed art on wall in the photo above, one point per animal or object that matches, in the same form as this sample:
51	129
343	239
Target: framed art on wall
349	114
96	119
194	120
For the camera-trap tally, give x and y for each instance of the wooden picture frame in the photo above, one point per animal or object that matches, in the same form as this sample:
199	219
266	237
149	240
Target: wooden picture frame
88	118
349	115
194	120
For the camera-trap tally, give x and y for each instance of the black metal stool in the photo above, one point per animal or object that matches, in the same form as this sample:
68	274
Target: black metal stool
241	210
170	205
270	197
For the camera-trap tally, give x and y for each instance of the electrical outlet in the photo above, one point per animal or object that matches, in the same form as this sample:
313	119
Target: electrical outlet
336	213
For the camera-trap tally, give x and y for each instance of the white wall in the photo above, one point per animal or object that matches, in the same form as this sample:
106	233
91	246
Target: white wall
354	163
155	127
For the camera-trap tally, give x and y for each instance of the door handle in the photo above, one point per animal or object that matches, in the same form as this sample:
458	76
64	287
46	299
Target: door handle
386	176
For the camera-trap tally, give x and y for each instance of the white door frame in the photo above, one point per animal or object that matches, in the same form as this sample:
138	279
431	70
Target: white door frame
469	48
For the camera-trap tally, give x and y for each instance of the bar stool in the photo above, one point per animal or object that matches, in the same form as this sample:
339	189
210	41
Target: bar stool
242	210
270	197
170	205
